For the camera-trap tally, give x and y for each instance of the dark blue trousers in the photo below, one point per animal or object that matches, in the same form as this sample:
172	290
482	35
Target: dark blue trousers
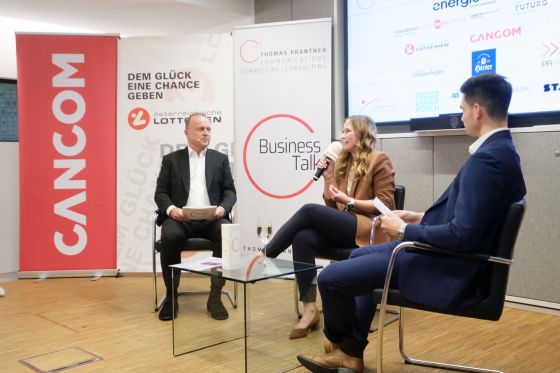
346	289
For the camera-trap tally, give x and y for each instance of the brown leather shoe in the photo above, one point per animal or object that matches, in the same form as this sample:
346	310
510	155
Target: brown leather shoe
329	346
303	332
333	362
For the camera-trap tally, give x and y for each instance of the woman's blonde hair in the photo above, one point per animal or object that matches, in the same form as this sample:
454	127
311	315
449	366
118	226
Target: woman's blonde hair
366	132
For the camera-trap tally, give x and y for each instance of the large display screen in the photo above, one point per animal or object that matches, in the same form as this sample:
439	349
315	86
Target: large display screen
8	110
407	59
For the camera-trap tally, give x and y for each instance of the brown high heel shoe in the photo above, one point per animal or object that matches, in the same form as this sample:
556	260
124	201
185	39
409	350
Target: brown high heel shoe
302	332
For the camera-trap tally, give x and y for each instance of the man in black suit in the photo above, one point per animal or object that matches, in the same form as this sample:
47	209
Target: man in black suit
194	176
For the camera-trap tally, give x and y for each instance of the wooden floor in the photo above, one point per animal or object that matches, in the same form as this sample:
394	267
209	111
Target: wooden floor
113	318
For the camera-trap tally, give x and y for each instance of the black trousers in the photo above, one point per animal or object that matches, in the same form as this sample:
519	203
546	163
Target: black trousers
173	236
312	229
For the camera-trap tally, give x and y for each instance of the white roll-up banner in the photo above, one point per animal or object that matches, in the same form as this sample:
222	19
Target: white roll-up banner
161	81
282	80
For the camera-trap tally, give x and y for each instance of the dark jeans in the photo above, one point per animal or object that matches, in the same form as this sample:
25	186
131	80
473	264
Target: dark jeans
312	229
347	294
173	237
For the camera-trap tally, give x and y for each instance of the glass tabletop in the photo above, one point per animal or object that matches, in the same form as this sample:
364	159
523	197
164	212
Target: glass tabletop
252	269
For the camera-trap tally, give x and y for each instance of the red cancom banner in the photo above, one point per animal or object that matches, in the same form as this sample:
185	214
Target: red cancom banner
67	151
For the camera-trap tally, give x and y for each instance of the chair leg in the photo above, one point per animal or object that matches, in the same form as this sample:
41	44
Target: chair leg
154	277
434	364
388	320
296	299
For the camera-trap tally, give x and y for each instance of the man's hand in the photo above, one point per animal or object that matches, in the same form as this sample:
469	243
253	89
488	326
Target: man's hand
218	214
409	217
177	214
390	225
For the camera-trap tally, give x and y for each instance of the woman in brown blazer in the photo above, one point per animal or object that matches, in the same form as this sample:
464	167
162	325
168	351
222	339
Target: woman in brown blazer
348	220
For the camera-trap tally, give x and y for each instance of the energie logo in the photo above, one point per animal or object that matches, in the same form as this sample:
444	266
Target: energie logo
452	4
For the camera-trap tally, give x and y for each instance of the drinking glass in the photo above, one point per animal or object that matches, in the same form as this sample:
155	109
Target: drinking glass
264	231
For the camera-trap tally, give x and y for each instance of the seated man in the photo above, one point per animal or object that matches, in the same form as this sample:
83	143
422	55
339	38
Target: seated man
193	176
467	217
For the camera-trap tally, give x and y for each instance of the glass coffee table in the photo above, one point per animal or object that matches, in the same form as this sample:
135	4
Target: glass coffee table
259	330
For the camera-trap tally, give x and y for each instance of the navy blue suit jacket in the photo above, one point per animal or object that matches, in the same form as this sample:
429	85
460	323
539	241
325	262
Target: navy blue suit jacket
467	217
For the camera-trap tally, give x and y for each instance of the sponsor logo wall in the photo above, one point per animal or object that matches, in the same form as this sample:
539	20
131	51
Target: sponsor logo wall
283	120
447	41
161	82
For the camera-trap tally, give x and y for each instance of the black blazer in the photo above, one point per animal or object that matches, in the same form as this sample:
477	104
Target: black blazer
173	182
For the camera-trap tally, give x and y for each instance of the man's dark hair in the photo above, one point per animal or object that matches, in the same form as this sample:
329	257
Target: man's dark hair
195	114
491	91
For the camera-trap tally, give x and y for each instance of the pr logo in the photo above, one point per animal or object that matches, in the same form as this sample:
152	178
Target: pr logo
138	118
550	49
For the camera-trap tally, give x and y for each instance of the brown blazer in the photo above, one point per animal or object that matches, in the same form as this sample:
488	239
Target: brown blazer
378	181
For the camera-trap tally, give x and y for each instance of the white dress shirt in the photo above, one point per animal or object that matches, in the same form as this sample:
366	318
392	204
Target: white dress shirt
475	145
198	194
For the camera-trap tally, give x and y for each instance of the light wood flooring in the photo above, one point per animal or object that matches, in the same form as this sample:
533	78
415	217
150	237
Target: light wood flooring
113	318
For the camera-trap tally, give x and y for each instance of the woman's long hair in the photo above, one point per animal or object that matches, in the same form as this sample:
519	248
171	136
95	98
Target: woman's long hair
366	131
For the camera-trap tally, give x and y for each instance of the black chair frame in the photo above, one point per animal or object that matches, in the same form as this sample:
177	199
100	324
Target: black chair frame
192	244
490	308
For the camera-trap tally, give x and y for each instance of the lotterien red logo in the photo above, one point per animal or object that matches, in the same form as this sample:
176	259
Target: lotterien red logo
138	118
279	153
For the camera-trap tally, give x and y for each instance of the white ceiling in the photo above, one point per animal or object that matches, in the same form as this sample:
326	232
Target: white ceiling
125	17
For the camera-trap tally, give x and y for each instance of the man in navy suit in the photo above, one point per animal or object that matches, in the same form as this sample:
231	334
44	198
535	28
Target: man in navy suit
194	176
467	217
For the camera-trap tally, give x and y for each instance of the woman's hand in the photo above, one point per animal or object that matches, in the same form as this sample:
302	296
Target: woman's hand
338	196
327	165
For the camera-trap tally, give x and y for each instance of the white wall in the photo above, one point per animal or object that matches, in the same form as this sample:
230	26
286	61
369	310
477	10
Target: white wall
9	200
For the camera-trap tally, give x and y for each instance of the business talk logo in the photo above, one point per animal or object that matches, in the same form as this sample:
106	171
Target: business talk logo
138	118
279	156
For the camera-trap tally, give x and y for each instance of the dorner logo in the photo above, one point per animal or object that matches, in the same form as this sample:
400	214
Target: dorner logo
279	153
483	62
250	51
138	118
